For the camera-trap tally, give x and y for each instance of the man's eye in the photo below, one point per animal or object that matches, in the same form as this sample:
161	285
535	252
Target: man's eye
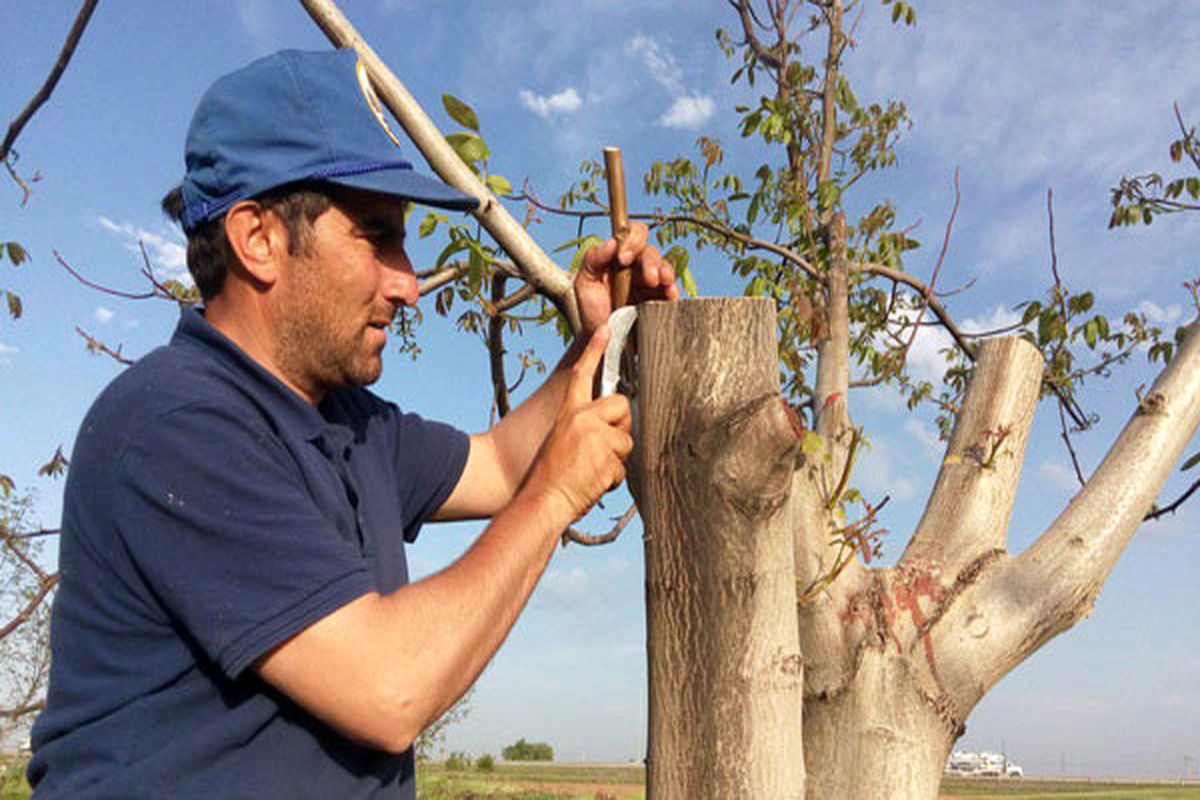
384	239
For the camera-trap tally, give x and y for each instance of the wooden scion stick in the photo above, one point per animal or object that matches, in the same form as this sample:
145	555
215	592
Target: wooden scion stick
614	173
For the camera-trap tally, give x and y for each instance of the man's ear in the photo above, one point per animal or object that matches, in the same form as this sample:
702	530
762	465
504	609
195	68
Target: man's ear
259	240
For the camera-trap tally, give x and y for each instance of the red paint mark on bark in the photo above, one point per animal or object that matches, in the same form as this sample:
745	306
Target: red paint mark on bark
909	586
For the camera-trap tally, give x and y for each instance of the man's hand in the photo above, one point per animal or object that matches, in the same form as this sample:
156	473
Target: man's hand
653	276
584	455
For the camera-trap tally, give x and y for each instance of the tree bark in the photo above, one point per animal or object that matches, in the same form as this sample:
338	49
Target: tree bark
715	462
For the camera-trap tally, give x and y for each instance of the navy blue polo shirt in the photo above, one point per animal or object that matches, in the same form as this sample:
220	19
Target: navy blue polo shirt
210	514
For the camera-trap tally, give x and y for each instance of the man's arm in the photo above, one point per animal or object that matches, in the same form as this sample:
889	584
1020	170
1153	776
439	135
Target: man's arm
383	667
500	458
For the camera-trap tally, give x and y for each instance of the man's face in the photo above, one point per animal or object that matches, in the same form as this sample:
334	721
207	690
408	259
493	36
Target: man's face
339	293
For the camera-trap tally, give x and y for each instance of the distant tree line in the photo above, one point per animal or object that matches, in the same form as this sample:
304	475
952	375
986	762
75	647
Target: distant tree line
522	750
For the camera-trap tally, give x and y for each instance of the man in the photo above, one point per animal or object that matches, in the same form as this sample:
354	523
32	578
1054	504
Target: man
234	617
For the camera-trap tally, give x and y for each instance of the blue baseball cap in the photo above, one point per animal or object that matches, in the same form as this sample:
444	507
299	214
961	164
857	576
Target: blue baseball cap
297	116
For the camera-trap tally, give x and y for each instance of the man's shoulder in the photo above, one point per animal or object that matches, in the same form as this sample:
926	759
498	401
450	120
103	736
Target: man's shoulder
168	377
168	380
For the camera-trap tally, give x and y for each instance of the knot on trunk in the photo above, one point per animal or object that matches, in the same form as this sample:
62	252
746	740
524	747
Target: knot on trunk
746	455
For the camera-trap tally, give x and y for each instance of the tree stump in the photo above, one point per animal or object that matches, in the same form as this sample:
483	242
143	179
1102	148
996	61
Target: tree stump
714	466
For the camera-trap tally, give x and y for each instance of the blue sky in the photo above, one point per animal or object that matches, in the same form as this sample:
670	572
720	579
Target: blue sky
1020	97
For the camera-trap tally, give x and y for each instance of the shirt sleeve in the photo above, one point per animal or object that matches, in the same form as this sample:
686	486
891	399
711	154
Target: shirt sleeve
430	459
217	518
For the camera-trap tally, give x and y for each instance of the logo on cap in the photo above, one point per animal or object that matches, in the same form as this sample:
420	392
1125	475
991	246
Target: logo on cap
368	91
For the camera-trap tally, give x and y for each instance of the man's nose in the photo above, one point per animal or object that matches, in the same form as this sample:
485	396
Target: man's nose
399	282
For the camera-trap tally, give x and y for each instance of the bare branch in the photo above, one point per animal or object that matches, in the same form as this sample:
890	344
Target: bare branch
495	345
43	591
101	288
1175	504
939	310
927	295
94	345
588	540
22	710
1066	437
43	94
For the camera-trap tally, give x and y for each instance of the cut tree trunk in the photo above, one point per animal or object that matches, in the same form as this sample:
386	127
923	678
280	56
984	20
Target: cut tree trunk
715	464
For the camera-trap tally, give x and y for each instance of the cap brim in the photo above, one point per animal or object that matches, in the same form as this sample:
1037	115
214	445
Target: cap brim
410	185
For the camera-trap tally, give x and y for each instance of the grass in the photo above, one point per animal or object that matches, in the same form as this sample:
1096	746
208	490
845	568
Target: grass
1031	788
12	780
531	781
550	781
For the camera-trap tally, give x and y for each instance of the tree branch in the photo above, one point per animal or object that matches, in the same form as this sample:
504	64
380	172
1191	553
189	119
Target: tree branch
94	345
550	280
1022	602
43	94
496	350
23	710
31	606
590	540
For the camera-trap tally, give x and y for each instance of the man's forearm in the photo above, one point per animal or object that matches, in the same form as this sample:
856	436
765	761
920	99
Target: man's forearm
382	668
518	436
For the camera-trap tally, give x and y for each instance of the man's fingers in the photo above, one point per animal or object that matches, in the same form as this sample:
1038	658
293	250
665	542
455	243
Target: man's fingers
632	244
584	372
614	410
597	259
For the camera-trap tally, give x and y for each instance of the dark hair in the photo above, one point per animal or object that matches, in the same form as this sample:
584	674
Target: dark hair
209	255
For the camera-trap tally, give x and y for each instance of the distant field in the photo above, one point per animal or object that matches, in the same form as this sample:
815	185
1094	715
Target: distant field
1027	788
627	782
533	781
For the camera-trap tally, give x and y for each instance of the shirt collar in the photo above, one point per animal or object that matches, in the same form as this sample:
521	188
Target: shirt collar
273	394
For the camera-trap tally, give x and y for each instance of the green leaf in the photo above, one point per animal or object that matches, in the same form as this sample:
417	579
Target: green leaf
680	258
1191	462
455	246
6	486
475	267
16	253
470	147
14	305
812	443
460	112
430	223
1089	333
499	184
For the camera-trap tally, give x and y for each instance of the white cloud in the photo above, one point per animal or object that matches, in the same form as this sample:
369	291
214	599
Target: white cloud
688	111
1161	316
659	63
564	102
1059	476
102	314
926	360
876	475
7	350
569	585
167	252
925	436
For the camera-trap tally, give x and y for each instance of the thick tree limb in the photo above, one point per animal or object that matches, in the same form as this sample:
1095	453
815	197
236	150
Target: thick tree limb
1020	603
833	352
60	66
551	281
972	500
